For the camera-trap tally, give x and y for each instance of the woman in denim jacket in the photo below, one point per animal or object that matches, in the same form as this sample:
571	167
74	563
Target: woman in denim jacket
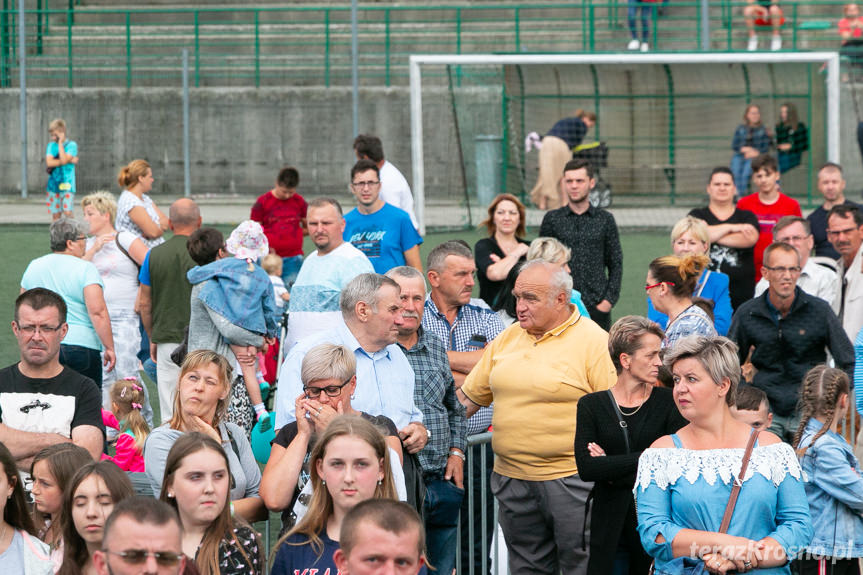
834	485
751	139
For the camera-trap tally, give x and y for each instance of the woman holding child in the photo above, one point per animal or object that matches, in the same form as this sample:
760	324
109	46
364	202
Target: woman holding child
684	483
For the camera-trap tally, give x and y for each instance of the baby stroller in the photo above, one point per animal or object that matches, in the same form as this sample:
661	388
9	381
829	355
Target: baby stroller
597	154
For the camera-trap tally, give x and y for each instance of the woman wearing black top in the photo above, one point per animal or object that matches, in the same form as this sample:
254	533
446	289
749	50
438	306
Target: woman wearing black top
504	247
607	452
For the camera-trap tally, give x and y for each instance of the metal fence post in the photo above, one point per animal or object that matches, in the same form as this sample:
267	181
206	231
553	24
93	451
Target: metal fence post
257	49
4	46
69	70
197	52
187	169
128	50
22	71
355	72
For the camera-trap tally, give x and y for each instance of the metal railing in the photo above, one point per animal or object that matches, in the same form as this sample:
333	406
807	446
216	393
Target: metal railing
254	46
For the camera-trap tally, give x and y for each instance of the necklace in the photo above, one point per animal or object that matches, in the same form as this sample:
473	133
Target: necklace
643	399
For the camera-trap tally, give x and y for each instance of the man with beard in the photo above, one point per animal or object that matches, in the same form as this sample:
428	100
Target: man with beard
314	305
41	401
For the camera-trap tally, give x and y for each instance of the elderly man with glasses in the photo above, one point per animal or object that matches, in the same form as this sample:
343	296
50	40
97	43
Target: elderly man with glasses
381	231
788	331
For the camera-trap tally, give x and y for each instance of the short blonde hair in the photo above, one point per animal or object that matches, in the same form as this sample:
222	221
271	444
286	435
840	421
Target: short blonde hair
717	355
102	202
550	250
695	226
328	361
272	264
57	124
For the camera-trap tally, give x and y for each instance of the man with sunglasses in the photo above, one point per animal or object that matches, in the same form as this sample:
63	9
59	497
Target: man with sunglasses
142	537
788	331
382	231
41	401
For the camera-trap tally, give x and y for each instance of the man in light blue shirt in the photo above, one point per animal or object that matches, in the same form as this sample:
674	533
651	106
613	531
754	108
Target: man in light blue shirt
372	312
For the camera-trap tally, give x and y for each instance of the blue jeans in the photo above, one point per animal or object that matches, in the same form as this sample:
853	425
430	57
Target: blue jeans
290	268
440	513
646	8
742	169
86	361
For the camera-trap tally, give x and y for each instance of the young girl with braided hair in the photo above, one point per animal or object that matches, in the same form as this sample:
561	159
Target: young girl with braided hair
127	399
834	484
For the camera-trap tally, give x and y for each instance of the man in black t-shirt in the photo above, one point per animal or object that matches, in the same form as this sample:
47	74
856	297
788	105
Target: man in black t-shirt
41	401
733	234
831	185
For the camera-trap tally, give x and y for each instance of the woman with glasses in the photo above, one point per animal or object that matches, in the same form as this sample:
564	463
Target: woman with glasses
200	405
89	343
329	379
671	281
197	485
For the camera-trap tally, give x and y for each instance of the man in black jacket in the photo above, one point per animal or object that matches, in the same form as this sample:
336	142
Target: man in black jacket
788	331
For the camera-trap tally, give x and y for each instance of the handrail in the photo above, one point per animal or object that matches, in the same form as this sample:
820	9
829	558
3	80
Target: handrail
254	45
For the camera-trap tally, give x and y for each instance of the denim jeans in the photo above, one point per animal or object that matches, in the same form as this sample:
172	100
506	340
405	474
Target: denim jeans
290	268
741	168
86	361
440	513
634	6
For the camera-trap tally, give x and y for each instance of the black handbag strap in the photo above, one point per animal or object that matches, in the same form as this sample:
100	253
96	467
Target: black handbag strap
621	421
738	483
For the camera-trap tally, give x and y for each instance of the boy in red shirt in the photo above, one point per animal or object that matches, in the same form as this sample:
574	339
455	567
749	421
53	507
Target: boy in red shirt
767	203
282	214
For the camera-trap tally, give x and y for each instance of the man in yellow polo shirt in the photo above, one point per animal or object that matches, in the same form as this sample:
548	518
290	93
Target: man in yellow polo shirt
535	372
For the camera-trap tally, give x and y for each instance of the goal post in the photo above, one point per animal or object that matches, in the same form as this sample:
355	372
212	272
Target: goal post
446	81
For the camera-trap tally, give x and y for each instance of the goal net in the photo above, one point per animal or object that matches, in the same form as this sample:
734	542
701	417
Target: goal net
665	121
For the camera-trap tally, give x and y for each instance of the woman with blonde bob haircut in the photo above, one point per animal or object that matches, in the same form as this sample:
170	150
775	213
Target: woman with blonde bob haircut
685	479
690	236
349	464
136	211
671	281
200	404
117	256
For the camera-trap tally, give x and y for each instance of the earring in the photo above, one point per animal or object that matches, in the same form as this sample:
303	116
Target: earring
170	495
380	482
323	481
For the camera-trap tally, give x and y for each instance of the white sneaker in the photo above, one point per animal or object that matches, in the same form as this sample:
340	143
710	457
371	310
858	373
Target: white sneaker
776	42
644	47
633	45
753	44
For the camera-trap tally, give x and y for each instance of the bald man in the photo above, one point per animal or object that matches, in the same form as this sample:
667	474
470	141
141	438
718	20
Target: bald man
165	295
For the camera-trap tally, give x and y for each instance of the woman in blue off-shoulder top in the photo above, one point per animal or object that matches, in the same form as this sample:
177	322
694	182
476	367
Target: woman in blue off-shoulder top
684	480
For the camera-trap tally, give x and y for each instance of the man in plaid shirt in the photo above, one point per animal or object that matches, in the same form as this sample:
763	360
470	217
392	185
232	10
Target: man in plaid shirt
442	459
465	326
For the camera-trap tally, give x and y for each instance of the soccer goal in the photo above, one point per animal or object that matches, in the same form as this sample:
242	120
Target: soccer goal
666	119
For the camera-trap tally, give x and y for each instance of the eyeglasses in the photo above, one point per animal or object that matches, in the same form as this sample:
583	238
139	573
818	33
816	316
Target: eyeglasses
783	270
651	286
330	390
361	185
43	329
139	556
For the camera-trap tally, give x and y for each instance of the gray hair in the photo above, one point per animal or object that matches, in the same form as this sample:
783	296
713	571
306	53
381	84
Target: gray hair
436	258
365	288
406	272
717	355
328	361
559	280
64	230
550	250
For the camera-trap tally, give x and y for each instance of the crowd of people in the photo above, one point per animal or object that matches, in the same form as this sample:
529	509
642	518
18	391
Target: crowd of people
614	444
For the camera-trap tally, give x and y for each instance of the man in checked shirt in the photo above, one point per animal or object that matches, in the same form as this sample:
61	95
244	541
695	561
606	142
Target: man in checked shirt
442	459
465	326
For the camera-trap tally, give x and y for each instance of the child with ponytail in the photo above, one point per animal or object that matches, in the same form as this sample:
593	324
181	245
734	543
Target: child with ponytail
127	399
671	281
834	485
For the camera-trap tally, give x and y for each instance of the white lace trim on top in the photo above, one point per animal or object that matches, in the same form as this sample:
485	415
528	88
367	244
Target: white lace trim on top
665	466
